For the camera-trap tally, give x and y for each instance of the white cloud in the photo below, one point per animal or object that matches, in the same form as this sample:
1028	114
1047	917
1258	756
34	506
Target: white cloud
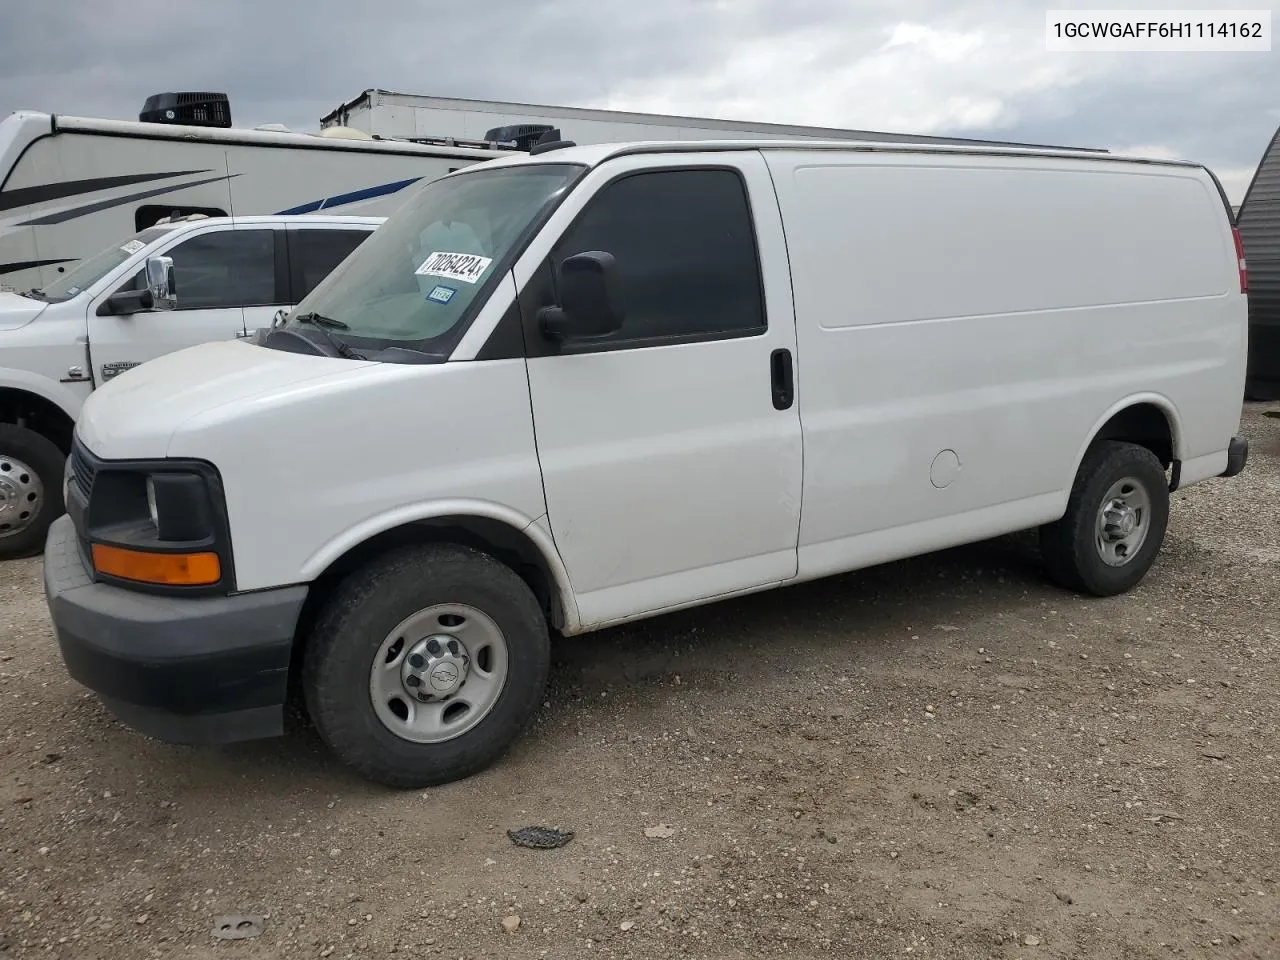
906	76
948	46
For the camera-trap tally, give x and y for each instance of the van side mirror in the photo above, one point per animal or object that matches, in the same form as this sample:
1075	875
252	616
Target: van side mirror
590	298
159	278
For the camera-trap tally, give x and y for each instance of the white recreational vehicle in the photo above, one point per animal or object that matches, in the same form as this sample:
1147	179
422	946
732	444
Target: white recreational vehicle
69	186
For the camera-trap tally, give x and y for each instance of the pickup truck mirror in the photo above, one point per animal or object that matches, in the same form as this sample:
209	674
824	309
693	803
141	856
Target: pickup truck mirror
160	285
158	293
126	303
590	298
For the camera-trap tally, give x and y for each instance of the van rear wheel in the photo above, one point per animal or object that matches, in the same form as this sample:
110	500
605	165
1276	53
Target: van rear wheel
31	468
1115	521
425	665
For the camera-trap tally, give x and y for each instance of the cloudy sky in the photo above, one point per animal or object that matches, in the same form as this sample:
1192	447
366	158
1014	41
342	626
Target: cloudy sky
959	67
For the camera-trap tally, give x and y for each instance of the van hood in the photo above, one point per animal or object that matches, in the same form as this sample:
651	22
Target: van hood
16	311
136	413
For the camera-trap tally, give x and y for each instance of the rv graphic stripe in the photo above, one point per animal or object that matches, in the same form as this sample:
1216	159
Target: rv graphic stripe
64	215
368	193
28	265
43	193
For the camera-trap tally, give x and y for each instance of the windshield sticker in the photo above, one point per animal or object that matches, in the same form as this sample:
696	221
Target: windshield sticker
466	267
132	247
442	294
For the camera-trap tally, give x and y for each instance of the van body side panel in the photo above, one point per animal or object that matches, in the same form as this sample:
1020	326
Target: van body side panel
963	322
670	475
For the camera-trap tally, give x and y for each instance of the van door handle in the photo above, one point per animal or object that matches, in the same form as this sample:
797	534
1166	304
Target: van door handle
783	379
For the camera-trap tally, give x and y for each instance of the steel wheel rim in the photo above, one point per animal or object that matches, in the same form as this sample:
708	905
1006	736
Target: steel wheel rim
1123	522
21	496
438	673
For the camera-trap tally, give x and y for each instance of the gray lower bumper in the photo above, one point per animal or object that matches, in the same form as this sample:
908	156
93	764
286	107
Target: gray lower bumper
186	670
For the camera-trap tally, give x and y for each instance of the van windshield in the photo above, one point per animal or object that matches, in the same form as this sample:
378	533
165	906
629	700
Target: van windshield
414	282
88	272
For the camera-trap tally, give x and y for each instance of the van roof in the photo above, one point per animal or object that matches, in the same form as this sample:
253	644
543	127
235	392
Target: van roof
594	154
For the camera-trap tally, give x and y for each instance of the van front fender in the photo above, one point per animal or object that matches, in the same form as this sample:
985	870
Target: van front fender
532	529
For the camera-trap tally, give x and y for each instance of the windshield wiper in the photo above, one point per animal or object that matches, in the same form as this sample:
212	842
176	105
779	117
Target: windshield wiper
320	321
34	294
408	355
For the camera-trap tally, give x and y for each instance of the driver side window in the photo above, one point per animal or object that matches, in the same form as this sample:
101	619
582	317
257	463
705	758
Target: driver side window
685	250
232	268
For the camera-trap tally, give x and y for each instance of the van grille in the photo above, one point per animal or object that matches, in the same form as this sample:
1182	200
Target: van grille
83	470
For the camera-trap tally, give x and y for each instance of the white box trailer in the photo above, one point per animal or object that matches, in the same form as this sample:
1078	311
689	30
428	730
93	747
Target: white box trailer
407	116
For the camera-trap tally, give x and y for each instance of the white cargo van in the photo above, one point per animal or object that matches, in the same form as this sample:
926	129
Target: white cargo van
57	343
599	383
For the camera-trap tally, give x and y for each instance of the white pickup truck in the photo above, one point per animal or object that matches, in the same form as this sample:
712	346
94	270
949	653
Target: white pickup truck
229	275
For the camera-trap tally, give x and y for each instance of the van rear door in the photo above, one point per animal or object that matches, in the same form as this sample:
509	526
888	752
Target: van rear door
671	449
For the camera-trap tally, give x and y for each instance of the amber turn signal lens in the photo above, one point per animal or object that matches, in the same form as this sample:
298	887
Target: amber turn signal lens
179	569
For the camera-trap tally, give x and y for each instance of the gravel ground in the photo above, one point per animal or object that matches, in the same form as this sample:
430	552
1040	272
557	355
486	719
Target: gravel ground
939	758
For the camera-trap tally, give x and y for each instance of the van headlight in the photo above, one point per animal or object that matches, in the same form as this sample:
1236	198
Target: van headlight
160	523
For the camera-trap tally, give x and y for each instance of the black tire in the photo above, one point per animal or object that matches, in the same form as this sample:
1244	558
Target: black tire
362	612
41	456
1069	546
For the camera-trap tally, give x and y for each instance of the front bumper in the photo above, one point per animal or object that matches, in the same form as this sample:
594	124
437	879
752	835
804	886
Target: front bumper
187	670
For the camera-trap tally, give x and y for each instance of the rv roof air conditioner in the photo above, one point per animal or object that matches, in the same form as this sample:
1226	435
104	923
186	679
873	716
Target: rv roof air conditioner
189	109
523	135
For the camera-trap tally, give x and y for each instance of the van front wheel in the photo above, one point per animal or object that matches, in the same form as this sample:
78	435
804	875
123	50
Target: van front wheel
1115	522
426	665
